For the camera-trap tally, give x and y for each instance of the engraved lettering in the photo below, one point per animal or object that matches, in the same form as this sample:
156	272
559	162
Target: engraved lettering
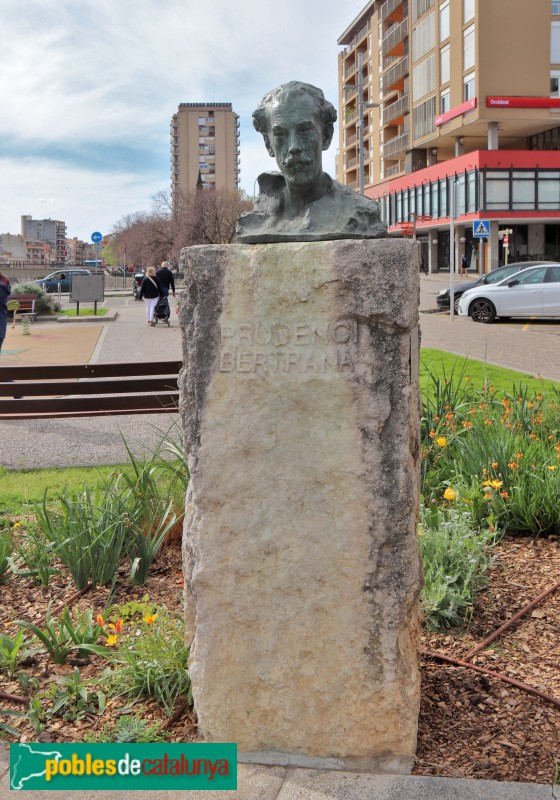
263	335
245	361
281	334
302	334
343	361
228	331
227	361
341	332
260	361
292	360
246	334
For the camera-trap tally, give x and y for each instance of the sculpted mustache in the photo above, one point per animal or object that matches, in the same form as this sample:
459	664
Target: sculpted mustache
297	162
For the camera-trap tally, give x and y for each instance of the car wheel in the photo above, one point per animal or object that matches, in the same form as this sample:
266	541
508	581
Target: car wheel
456	304
482	311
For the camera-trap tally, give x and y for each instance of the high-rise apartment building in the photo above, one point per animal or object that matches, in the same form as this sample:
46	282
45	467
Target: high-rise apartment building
204	147
47	230
462	97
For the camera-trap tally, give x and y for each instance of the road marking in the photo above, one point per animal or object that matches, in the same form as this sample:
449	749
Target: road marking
525	327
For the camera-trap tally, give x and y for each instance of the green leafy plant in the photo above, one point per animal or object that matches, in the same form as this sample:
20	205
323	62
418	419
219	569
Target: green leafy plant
4	726
153	662
456	559
6	548
59	639
12	651
37	553
73	699
129	729
90	533
147	543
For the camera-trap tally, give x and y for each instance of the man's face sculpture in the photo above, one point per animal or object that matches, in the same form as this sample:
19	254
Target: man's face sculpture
295	139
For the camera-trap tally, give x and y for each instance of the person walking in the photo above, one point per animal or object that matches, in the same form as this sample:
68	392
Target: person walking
464	265
5	291
166	279
150	292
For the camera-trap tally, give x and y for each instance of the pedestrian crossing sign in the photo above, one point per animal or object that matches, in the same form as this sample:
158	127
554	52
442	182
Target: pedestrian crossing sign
481	228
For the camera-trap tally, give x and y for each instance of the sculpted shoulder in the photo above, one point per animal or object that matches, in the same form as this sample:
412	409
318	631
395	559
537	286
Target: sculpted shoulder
340	213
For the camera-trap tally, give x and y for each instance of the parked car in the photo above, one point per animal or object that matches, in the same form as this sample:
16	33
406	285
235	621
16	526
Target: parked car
60	280
532	292
495	276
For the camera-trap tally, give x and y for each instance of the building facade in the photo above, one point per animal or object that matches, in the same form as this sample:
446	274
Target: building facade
204	147
47	230
459	107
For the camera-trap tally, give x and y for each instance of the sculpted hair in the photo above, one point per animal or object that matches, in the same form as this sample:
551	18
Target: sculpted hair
325	110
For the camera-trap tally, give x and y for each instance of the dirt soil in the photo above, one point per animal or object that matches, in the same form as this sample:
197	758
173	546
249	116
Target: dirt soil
470	726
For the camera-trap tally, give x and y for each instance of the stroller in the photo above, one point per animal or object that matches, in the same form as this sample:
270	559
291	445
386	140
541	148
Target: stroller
138	278
162	311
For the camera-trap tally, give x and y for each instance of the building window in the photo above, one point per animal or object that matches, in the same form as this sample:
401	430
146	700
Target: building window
468	48
549	190
469	89
555	43
523	190
424	78
556	7
420	7
444	22
424	37
468	10
423	117
444	65
445	102
554	84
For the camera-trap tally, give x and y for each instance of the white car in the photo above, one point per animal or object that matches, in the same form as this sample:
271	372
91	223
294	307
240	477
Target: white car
532	292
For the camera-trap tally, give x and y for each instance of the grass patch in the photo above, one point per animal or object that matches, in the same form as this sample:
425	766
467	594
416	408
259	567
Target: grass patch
22	488
84	312
442	364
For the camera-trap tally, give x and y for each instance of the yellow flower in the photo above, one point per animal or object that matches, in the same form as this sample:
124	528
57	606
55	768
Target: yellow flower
551	468
111	640
150	618
494	465
442	441
449	494
496	484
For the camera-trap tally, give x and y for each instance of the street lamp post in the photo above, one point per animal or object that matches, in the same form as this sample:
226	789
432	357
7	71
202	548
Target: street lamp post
360	122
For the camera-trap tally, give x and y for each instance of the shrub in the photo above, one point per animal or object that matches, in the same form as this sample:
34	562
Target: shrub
456	559
44	304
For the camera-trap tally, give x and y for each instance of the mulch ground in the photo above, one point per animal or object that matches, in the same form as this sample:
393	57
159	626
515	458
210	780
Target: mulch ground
471	726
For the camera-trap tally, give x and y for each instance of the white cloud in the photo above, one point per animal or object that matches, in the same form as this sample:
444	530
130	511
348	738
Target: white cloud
84	77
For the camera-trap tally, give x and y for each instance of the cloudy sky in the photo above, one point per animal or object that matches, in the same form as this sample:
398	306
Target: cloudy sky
88	88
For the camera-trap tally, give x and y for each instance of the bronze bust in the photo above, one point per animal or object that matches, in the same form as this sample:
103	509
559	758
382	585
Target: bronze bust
301	203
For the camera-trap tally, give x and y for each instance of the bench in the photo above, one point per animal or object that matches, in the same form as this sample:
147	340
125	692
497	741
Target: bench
26	305
90	390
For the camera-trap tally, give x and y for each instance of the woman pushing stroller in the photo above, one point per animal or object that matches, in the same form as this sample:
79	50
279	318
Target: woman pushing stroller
150	292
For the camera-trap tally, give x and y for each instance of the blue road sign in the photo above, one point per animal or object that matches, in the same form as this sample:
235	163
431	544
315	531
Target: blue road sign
481	228
96	237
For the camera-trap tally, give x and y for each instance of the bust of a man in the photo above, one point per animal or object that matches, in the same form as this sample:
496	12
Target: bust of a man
302	203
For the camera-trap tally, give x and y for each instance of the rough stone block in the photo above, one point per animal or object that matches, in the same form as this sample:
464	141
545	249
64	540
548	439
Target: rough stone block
300	405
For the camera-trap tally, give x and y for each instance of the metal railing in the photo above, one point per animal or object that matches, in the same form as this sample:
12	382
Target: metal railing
396	110
396	146
388	7
394	37
395	74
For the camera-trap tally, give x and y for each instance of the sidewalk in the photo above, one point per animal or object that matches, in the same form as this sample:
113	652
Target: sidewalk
289	783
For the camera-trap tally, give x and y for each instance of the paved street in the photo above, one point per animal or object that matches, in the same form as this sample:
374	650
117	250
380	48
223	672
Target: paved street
524	345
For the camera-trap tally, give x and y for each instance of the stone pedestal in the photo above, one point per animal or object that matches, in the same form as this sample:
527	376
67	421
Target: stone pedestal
299	399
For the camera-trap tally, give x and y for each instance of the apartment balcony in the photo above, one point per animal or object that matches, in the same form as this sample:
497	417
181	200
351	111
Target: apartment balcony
395	112
392	10
350	116
350	140
351	163
394	169
393	42
394	78
397	146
